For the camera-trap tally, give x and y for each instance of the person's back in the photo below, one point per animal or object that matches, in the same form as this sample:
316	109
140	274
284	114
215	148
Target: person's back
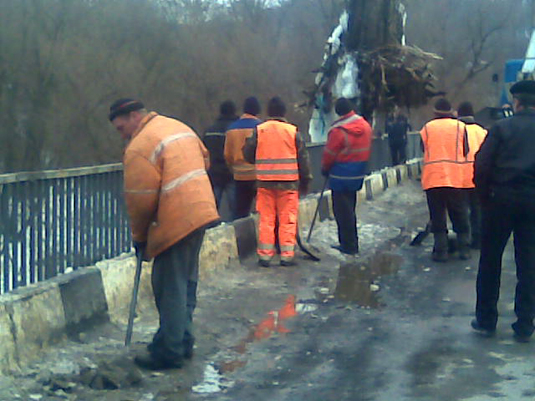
505	180
244	172
344	162
214	140
513	164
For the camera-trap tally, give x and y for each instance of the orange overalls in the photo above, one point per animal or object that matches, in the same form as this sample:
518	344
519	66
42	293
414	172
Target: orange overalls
276	161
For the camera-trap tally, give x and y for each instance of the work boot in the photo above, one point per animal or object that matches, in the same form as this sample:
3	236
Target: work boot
288	262
464	246
440	250
482	331
263	263
150	362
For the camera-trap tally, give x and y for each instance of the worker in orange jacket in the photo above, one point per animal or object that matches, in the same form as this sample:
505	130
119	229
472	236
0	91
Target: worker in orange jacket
282	172
244	172
476	134
170	202
445	168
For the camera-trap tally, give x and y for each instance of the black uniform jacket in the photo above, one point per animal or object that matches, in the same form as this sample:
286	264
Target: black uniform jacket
505	164
214	140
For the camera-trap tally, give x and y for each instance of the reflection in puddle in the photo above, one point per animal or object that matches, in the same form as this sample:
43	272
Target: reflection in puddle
356	279
274	322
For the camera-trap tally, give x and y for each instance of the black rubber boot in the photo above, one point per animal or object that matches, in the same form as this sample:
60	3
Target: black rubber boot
464	246
440	250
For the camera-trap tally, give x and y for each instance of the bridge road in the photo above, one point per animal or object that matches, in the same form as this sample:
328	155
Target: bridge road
404	335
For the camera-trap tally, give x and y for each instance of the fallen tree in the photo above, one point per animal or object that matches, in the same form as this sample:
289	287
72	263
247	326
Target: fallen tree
366	59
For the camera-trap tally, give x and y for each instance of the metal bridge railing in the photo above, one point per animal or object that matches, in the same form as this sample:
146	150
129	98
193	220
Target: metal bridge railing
54	221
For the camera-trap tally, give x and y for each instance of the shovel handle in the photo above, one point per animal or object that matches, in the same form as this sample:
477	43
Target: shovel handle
133	302
317	209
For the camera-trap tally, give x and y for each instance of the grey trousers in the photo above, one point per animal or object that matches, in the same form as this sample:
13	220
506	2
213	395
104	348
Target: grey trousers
174	283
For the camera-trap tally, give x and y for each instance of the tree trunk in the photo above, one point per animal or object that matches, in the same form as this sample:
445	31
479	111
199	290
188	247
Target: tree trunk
373	24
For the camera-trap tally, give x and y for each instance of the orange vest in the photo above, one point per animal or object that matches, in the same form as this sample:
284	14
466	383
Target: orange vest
444	162
476	135
167	191
276	152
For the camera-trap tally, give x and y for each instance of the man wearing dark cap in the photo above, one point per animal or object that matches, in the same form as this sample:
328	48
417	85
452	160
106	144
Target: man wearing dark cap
344	161
214	140
282	172
505	180
244	172
445	169
170	202
475	136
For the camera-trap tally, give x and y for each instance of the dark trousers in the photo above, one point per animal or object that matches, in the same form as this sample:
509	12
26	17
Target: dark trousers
475	216
220	189
344	204
398	153
500	218
174	283
245	194
448	201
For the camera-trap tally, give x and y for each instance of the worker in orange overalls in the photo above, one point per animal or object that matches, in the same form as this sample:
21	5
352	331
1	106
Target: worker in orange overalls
445	169
476	135
282	173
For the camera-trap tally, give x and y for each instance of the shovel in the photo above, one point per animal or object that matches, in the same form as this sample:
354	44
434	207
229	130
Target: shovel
133	302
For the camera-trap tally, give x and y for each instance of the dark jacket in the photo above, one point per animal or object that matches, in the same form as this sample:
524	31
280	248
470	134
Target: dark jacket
505	163
214	140
397	133
303	162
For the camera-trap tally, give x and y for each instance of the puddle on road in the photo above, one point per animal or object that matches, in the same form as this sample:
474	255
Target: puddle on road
214	380
356	280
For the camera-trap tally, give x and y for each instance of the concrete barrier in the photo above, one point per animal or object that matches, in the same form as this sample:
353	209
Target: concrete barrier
33	317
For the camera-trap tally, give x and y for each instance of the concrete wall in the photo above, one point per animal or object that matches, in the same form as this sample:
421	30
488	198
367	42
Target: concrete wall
33	317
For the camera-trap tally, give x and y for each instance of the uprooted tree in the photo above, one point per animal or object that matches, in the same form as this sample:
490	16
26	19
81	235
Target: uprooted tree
368	47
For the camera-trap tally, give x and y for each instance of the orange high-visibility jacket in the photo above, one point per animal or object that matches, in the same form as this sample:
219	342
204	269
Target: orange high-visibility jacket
276	152
476	135
167	190
445	163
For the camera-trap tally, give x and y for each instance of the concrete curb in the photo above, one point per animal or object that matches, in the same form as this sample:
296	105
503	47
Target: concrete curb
36	316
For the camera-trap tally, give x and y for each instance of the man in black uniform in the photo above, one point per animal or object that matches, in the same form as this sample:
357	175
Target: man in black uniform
214	140
505	179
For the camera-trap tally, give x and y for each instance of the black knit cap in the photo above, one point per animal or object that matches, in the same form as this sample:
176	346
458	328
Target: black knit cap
124	106
276	107
443	107
343	106
525	87
251	105
227	108
465	109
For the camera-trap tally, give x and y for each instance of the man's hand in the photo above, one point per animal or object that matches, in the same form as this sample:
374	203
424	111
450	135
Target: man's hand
303	189
140	248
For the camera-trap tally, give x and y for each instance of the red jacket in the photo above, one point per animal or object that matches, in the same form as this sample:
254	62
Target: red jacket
349	141
346	152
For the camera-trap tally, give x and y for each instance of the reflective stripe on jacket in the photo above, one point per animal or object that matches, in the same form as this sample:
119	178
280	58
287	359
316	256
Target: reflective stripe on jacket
237	133
276	152
347	152
167	190
445	156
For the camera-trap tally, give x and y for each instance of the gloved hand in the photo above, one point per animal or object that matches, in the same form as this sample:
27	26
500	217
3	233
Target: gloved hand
325	173
140	248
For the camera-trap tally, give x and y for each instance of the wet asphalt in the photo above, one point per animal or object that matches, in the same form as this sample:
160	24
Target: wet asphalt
388	325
